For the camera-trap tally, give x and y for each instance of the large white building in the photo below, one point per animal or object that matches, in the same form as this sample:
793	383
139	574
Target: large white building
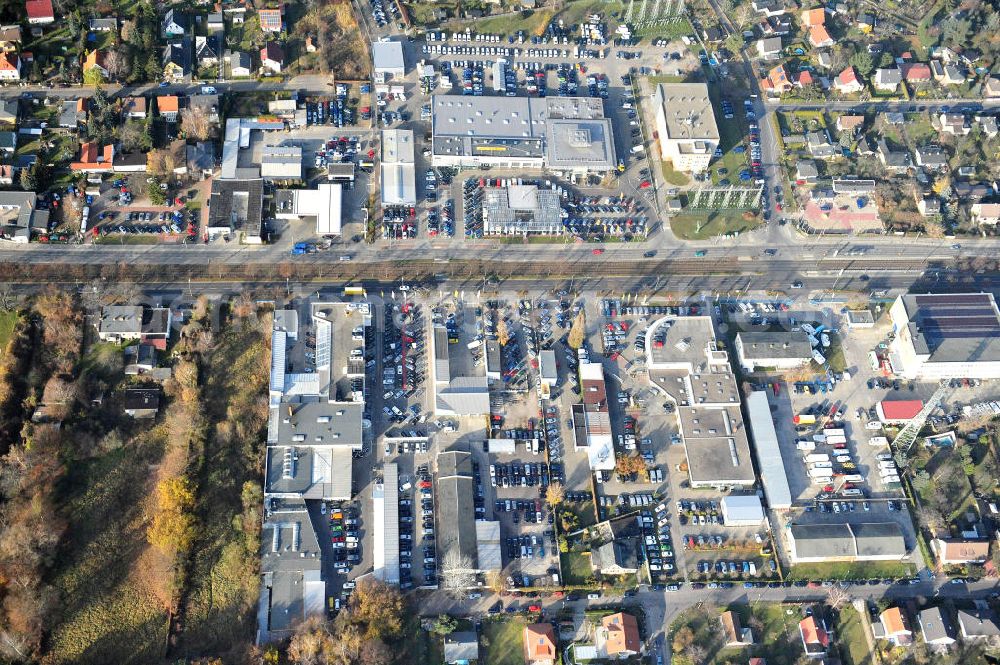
399	180
567	135
322	203
778	350
686	124
945	336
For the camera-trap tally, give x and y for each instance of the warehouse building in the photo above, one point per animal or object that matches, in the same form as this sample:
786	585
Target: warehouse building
592	420
385	535
388	60
769	460
568	136
743	510
292	587
521	210
898	411
399	181
236	207
945	336
685	119
876	541
456	540
686	364
777	350
281	163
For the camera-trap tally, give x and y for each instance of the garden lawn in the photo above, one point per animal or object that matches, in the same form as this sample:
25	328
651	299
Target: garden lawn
503	641
8	320
704	224
851	638
845	570
576	569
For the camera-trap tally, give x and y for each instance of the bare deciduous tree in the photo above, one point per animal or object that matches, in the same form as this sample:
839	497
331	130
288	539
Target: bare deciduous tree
457	572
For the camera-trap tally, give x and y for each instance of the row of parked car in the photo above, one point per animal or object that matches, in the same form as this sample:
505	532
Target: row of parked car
407	512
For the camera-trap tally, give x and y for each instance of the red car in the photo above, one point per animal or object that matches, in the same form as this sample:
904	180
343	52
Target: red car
534	608
597	252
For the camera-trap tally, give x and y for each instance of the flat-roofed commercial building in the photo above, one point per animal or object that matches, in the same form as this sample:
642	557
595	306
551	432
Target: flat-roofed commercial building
399	181
945	336
564	135
592	420
322	203
768	451
457	537
685	120
686	364
385	535
778	350
875	541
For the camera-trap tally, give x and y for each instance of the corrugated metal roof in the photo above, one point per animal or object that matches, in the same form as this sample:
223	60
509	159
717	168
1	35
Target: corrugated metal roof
772	468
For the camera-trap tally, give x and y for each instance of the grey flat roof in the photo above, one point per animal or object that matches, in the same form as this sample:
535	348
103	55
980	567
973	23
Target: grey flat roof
291	562
488	117
238	205
461	646
574	144
317	473
778	345
688	111
547	364
769	460
465	396
954	327
388	56
281	161
320	424
721	456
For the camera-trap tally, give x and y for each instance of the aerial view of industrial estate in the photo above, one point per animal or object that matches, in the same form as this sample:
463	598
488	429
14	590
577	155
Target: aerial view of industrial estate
511	332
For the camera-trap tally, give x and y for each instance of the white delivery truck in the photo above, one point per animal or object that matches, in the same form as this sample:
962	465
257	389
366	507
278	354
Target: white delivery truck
853	478
805	444
817	457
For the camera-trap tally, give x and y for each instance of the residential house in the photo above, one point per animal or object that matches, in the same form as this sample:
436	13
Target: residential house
134	107
10	38
804	78
768	7
240	65
539	644
120	323
819	37
461	647
850	123
207	103
215	23
712	35
777	26
806	171
206	51
617	557
931	157
966	171
103	24
270	19
39	12
617	636
955	123
168	106
175	24
928	206
272	58
93	158
975	625
887	79
991	87
894	118
864	147
95	60
74	113
10	67
894	627
946	74
848	82
989	125
966	550
971	191
938	631
177	60
893	160
815	638
769	48
141	403
811	17
823	59
915	72
866	22
735	633
777	80
139	358
820	146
